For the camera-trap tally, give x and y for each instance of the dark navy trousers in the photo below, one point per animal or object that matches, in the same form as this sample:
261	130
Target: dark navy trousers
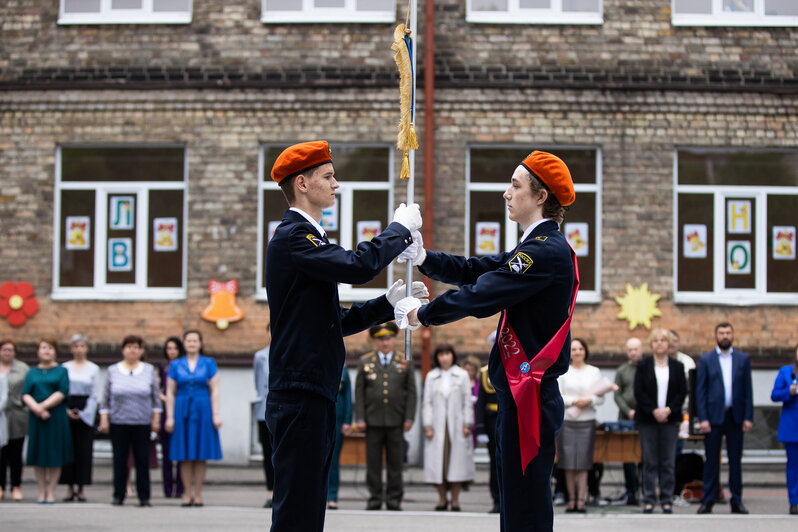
525	498
302	426
734	450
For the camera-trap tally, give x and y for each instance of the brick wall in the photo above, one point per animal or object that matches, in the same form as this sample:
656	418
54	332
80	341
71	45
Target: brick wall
635	87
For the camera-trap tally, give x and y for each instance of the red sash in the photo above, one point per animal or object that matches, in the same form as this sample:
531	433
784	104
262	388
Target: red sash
524	377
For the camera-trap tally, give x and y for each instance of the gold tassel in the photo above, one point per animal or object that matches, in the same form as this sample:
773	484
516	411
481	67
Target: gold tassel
406	139
405	173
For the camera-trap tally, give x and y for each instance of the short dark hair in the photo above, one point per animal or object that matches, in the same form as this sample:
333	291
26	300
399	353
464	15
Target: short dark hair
195	331
444	348
132	339
551	207
5	341
287	184
181	351
723	325
49	341
584	346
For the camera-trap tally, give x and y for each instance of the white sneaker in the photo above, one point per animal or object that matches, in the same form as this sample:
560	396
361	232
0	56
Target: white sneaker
559	499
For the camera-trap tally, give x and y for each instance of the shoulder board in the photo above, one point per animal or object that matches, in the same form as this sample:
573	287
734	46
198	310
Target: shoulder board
542	238
367	356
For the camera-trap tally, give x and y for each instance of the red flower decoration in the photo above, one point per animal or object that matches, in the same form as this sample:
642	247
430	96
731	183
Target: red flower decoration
17	302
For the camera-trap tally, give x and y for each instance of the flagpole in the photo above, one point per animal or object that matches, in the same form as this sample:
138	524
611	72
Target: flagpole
413	19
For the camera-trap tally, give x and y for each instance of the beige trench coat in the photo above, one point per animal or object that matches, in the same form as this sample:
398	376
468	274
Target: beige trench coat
454	411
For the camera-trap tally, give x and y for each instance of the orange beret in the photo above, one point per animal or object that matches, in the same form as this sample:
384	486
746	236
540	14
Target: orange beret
300	157
553	173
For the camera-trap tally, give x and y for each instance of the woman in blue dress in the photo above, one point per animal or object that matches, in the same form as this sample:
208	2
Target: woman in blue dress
192	415
785	391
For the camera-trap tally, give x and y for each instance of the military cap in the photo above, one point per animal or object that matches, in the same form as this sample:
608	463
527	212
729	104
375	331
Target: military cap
386	329
553	173
301	157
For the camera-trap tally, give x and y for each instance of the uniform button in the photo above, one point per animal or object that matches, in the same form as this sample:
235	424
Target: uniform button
385	392
385	400
384	375
385	384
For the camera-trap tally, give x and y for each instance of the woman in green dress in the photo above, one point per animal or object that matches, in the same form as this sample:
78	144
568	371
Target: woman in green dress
49	442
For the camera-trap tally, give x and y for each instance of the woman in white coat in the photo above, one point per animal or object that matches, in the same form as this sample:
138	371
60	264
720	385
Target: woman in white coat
448	416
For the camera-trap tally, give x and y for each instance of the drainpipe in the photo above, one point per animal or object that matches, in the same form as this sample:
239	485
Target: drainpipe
429	161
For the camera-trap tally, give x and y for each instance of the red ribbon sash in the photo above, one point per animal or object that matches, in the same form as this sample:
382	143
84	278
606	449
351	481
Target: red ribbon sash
524	376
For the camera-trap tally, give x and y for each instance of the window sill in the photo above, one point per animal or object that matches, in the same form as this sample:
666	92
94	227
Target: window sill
732	20
151	18
318	17
95	294
729	298
485	17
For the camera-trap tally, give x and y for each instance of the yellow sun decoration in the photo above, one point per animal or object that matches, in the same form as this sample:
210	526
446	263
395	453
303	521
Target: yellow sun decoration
638	306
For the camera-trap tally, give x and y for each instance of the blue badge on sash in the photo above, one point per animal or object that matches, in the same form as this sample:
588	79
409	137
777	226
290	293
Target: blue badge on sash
525	367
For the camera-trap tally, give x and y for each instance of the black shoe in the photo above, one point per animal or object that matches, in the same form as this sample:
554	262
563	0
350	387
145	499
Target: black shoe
144	503
632	501
268	503
393	506
442	507
118	501
373	506
794	509
495	508
738	508
705	508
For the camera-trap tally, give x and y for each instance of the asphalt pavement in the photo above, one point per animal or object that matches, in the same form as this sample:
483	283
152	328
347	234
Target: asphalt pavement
234	497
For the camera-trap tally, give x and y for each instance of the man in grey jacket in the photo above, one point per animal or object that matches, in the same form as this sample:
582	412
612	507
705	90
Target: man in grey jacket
625	399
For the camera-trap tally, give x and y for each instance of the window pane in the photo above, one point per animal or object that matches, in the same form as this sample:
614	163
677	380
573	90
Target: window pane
81	6
535	4
283	5
591	6
165	241
698	7
784	8
782	265
486	224
329	3
496	165
125	4
742	6
697	167
171	5
370	207
583	211
77	239
376	5
489	5
122	164
695	227
740	246
120	262
274	205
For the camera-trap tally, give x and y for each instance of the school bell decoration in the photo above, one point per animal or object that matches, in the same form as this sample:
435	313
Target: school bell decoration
222	309
17	302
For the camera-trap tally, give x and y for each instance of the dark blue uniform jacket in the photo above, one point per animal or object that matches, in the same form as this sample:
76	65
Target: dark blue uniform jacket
534	282
307	320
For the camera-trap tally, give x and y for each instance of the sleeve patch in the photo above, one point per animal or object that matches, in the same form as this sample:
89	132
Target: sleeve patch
316	241
520	263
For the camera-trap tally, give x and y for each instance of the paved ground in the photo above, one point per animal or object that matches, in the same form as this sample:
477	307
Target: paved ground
234	496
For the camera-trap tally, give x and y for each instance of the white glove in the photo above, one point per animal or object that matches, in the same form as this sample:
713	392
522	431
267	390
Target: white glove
402	308
409	216
415	252
398	289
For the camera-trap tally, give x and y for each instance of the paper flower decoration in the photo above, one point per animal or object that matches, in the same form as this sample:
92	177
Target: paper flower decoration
17	303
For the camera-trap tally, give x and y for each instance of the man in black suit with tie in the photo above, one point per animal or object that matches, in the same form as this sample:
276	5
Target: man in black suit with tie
725	406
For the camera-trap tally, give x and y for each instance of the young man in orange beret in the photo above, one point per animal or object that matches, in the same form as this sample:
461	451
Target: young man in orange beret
308	324
534	288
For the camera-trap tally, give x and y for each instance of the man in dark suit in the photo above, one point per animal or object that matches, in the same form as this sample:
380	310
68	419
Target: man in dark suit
724	403
306	355
385	407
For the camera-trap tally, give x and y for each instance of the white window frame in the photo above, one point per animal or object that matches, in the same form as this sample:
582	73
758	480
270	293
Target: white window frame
511	237
718	17
346	292
552	15
115	291
720	294
145	15
311	14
